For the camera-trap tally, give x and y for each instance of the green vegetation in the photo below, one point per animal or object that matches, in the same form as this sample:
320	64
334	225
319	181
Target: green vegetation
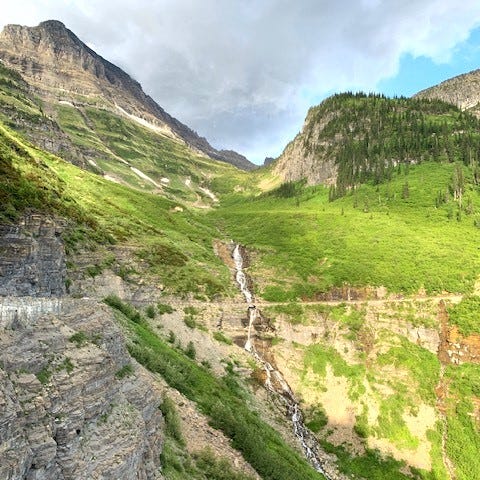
164	308
190	351
172	420
44	375
79	338
466	315
378	134
67	365
294	312
408	181
463	440
318	356
422	365
220	337
373	465
178	463
102	212
125	371
309	248
150	311
315	418
223	400
128	310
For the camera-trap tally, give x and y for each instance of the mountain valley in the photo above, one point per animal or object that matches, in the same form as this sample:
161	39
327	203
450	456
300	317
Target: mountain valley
130	348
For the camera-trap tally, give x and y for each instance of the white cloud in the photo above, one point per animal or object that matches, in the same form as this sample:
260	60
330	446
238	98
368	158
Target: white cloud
243	73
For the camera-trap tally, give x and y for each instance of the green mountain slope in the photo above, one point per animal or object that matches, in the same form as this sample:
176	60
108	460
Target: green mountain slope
176	245
402	213
111	145
398	216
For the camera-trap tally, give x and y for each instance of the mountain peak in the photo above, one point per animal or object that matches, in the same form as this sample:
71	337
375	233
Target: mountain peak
462	91
53	25
62	67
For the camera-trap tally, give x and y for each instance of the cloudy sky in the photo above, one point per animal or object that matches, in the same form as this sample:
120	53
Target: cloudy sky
244	72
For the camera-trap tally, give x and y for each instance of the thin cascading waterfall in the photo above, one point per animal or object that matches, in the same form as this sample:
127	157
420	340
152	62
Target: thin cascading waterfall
274	377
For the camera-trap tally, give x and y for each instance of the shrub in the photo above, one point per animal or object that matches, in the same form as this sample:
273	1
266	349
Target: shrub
128	310
79	338
172	420
150	311
190	350
44	375
125	371
190	322
220	337
164	308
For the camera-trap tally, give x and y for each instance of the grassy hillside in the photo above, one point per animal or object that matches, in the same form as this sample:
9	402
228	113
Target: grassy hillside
404	214
224	400
176	245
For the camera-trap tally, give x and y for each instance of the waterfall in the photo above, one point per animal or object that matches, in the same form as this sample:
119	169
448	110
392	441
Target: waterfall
275	383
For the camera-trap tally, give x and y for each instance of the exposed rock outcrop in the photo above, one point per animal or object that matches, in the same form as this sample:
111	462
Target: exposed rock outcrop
305	157
462	91
72	404
32	258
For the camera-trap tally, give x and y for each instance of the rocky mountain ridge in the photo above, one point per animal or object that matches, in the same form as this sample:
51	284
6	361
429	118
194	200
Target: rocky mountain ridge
462	91
61	68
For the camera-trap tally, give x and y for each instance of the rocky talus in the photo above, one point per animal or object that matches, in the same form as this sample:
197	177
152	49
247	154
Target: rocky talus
73	404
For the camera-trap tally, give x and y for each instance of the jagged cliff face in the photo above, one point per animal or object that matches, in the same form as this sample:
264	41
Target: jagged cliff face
32	260
306	157
62	68
462	91
73	404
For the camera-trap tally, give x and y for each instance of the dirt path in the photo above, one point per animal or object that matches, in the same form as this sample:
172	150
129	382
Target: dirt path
454	298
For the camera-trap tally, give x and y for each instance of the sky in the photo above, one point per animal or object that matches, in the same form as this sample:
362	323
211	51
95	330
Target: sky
243	73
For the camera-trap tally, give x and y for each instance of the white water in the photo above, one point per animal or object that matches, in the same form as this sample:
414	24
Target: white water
275	382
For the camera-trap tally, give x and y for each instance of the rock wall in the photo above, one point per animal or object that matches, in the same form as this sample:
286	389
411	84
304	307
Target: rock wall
32	258
73	404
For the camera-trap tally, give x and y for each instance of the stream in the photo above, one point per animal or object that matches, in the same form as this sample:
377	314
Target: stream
275	383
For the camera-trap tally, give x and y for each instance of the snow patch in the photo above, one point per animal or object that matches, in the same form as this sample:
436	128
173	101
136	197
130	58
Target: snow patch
145	177
209	193
164	130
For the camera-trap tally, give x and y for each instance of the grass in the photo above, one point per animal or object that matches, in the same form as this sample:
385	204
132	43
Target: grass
399	378
164	308
423	366
79	338
102	212
124	372
318	356
44	375
463	440
466	315
310	246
